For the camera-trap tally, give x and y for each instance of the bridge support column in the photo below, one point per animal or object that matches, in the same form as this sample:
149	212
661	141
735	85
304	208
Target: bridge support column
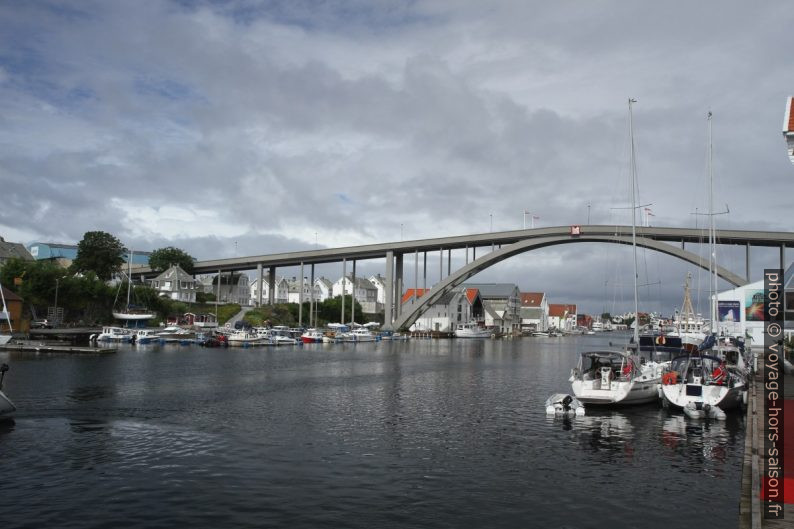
218	289
388	293
398	300
353	297
747	261
344	290
440	265
449	262
424	271
300	300
271	281
416	273
259	275
312	323
783	258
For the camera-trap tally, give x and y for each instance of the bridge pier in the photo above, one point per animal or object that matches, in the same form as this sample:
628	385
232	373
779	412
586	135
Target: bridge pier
353	297
344	273
747	260
398	301
271	281
259	274
312	323
300	300
388	302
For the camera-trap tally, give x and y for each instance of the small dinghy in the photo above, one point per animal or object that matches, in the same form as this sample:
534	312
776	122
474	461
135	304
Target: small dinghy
698	410
7	407
563	404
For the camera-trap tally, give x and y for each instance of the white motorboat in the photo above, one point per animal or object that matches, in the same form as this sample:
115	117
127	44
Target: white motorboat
564	404
471	330
360	334
246	339
114	334
132	316
146	336
619	377
540	334
175	333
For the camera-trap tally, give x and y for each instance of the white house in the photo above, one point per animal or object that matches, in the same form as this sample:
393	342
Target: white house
294	288
379	282
562	316
460	306
280	293
233	288
534	311
175	284
324	287
364	292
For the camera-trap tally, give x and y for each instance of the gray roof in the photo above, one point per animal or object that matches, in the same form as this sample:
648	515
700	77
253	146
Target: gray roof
175	273
494	290
9	250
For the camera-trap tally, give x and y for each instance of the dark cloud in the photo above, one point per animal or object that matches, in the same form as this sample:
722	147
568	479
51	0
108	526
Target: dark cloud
198	124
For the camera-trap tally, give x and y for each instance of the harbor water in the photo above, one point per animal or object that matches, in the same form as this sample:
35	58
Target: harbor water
424	433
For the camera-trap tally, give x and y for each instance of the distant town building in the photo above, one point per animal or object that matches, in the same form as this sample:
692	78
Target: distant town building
175	284
364	292
280	292
64	254
534	311
324	287
562	316
380	283
501	305
294	287
13	250
458	307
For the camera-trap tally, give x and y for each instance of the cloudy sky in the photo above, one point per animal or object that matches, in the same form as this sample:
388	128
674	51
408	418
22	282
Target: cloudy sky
251	127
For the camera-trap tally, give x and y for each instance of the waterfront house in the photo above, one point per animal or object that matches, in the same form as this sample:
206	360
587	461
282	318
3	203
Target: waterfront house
363	291
324	287
13	313
294	290
175	284
562	316
379	282
12	250
233	288
788	128
280	292
458	307
501	306
534	312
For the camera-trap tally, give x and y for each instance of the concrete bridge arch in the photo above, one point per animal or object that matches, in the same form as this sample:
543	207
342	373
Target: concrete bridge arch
411	311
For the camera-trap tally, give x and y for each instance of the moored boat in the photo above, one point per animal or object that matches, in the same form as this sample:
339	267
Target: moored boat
564	404
114	334
312	336
471	330
7	407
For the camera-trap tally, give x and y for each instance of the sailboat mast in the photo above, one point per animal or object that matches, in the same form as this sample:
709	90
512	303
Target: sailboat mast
129	279
712	235
633	169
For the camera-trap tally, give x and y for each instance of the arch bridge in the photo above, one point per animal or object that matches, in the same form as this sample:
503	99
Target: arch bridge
494	248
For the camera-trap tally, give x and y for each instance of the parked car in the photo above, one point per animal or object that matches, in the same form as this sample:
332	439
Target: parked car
40	324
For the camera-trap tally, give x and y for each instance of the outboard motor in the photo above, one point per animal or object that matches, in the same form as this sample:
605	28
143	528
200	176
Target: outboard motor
566	402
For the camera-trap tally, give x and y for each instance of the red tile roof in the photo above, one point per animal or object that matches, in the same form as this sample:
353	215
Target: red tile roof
560	310
471	294
531	299
409	294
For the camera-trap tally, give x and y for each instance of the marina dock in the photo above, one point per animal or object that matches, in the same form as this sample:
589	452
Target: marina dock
54	348
751	509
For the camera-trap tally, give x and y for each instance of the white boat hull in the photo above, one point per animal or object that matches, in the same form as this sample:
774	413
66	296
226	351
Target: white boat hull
617	392
5	338
467	333
681	395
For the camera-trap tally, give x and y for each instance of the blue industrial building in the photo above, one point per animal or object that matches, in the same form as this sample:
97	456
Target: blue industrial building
49	250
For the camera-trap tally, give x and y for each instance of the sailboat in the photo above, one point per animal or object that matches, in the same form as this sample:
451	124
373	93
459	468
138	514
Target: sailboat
702	381
690	327
619	377
5	337
132	316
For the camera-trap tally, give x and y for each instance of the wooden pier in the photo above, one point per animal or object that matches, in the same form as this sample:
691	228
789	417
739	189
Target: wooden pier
53	348
751	507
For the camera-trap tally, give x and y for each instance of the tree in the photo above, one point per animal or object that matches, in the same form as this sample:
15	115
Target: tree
99	252
162	259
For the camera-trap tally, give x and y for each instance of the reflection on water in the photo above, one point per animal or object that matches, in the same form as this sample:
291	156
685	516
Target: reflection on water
420	434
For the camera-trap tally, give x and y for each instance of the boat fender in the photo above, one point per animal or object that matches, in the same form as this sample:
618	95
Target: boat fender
493	336
92	338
